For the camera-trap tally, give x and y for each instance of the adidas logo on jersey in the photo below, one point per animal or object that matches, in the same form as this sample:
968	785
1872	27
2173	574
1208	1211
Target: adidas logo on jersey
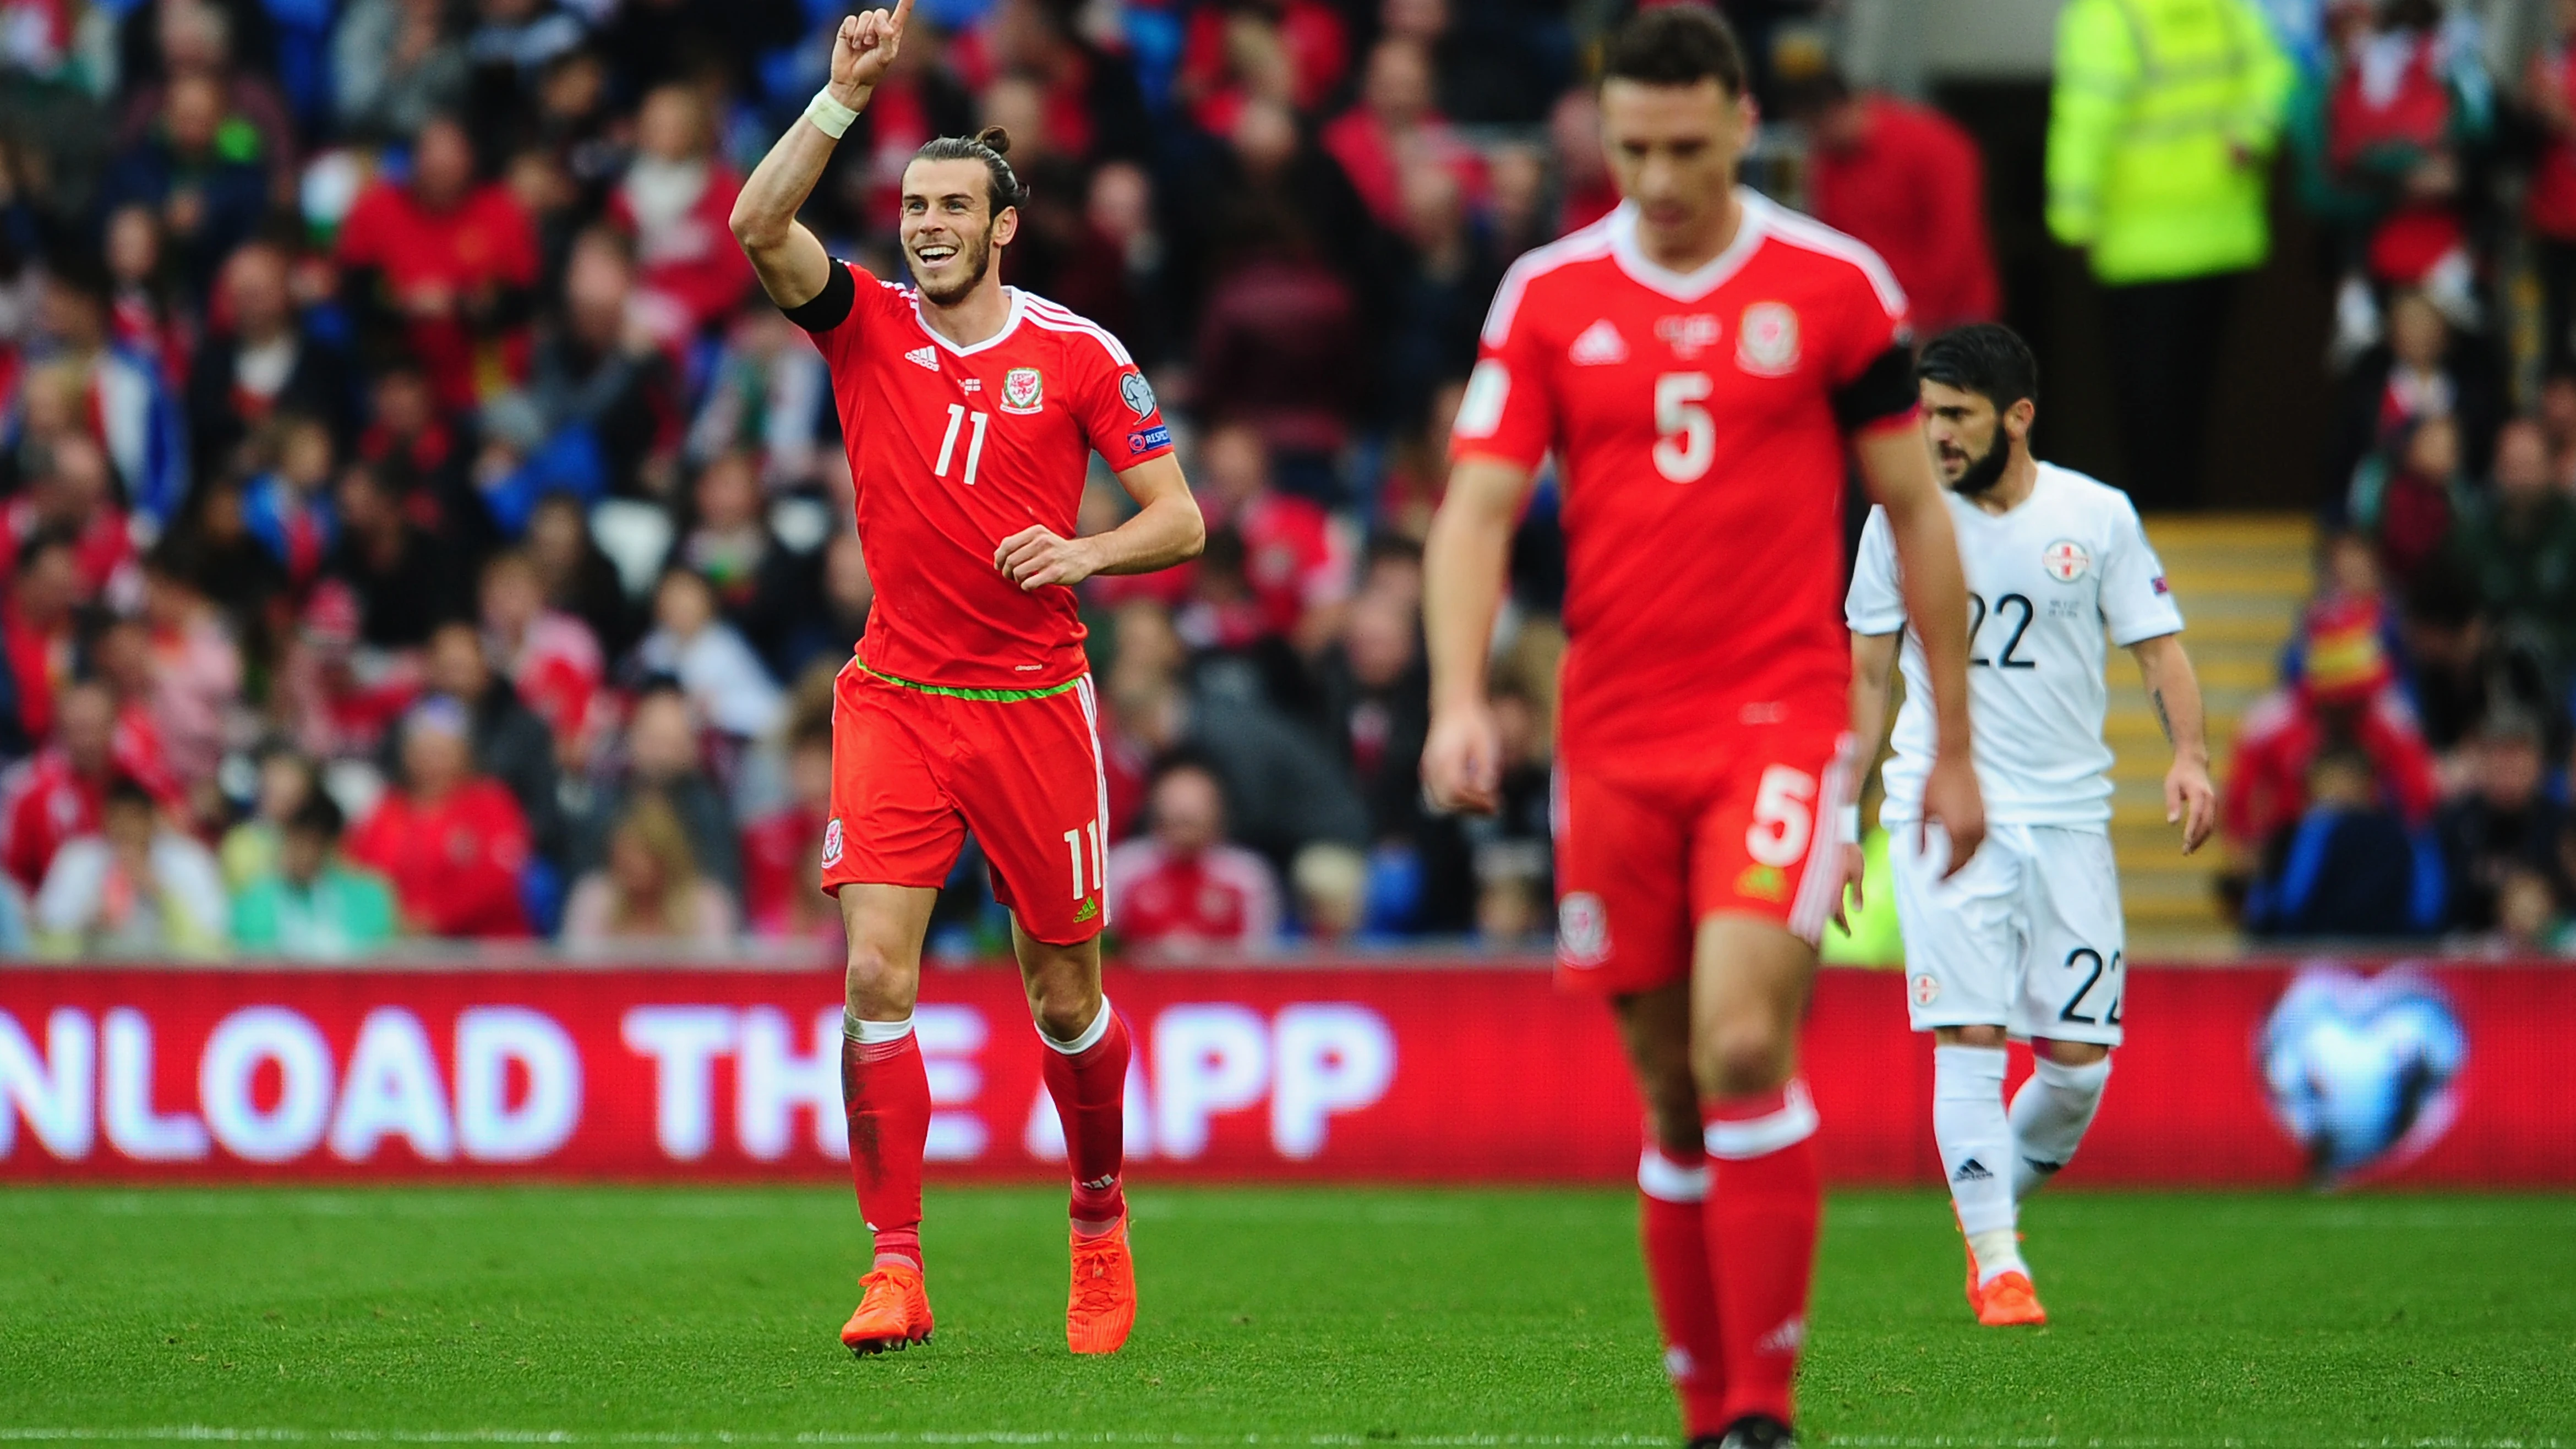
924	356
1972	1171
1599	346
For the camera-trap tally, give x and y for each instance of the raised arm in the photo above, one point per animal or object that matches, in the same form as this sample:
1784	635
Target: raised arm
791	263
1463	565
2174	691
1899	472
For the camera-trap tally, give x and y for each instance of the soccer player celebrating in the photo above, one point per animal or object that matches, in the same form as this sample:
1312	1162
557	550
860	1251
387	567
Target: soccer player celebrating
971	410
2026	939
1698	361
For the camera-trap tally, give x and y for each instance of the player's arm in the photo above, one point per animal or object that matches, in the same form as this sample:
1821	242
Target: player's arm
1464	562
1899	472
791	263
2174	692
1165	530
1873	671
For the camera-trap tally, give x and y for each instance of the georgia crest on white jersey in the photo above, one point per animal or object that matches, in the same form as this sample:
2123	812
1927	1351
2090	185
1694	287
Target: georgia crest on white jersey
2045	581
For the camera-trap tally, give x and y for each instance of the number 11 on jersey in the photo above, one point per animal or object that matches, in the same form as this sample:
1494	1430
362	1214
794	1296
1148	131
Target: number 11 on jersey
957	416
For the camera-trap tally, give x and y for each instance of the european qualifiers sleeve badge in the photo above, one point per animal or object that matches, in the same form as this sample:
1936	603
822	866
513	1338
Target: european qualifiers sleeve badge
1137	393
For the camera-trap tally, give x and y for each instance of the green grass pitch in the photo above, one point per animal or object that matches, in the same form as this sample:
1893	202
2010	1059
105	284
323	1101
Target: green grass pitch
1272	1316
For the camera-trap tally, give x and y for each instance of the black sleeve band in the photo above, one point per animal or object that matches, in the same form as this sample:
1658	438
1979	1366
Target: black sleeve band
828	308
1884	389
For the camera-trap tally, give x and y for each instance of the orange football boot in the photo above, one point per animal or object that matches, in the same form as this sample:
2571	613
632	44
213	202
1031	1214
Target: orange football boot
1102	1307
2010	1301
893	1312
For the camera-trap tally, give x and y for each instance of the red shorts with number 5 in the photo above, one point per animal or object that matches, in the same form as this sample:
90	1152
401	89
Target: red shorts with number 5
1644	855
914	768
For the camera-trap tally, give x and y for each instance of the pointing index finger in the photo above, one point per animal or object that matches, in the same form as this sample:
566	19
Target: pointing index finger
902	13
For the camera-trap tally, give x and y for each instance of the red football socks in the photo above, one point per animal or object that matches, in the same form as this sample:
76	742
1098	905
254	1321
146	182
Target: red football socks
1089	1085
1763	1202
885	1095
1672	1194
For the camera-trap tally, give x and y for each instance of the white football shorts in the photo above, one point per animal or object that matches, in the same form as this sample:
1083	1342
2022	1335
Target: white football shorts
2028	937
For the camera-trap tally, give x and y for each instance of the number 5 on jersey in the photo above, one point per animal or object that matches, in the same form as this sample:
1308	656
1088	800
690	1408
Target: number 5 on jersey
957	418
1685	434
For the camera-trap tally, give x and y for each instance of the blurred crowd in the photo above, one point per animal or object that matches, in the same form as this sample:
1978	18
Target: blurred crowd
2410	776
414	524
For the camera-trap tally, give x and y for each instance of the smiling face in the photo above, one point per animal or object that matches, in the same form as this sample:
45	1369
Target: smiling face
949	230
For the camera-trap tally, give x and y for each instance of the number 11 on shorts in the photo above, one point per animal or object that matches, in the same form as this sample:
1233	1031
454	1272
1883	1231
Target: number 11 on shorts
1073	847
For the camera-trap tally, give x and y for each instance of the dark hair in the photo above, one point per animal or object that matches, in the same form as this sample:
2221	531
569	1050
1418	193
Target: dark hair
44	540
1676	45
1985	358
124	789
989	146
318	815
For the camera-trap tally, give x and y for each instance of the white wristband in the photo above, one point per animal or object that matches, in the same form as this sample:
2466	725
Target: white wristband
1851	825
828	115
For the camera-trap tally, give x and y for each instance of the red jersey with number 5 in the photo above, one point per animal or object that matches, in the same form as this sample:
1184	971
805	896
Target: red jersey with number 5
1699	425
953	449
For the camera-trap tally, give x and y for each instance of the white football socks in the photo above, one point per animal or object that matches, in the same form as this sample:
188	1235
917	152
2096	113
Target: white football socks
1976	1144
2049	1115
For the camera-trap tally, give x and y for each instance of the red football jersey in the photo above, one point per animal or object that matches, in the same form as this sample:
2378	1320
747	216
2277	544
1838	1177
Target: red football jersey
1701	463
953	449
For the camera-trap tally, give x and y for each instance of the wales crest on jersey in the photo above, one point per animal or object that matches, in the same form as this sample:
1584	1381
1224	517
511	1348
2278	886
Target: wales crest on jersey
1023	390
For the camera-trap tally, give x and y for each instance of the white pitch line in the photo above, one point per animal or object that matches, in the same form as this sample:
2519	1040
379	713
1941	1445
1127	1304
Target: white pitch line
223	1434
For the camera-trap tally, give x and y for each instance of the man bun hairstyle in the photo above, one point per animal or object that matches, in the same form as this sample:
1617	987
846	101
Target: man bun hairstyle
1985	358
989	146
1676	45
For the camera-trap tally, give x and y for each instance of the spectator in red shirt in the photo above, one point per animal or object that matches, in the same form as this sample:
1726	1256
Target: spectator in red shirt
444	264
1394	125
782	852
1298	557
1907	180
2549	85
63	790
1181	886
451	841
551	657
674	201
36	628
73	494
2346	699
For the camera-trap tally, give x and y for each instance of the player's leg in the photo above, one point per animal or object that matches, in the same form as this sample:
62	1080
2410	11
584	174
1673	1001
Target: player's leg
1672	1199
1750	980
890	841
1964	945
1031	784
1763	872
2071	1005
1623	932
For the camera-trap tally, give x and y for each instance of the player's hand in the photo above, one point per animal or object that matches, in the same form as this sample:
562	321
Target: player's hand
2191	800
1952	801
1462	761
865	50
1853	865
1037	556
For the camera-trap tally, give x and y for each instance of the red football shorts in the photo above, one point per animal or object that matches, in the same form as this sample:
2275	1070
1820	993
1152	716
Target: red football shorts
914	768
1644	855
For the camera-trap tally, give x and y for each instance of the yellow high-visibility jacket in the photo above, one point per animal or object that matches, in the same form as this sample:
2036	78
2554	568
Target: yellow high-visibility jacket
2160	128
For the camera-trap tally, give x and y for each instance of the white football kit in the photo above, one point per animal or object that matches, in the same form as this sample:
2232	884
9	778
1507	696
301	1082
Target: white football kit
2029	935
